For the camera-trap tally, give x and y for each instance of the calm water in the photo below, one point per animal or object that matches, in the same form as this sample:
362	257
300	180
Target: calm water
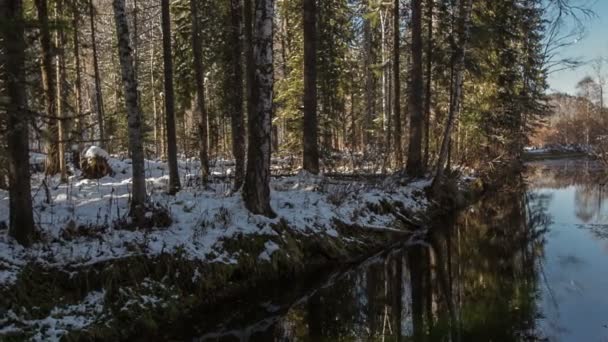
527	264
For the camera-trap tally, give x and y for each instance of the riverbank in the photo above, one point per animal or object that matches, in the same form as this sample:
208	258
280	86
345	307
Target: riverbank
92	276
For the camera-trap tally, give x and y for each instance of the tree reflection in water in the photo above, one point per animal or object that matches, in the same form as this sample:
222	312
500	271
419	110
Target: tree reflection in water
475	278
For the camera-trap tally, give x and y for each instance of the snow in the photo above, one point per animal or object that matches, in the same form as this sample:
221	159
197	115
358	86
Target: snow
270	247
77	225
95	151
77	222
60	321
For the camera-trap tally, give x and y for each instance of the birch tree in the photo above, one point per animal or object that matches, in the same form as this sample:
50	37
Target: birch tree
136	147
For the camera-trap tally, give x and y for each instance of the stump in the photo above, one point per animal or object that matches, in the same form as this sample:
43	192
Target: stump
94	164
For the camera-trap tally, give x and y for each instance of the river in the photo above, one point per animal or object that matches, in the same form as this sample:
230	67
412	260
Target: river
529	263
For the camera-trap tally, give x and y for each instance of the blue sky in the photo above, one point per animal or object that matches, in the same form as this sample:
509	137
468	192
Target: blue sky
595	44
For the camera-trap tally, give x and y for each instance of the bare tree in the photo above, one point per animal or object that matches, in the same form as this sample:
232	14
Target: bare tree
256	192
21	219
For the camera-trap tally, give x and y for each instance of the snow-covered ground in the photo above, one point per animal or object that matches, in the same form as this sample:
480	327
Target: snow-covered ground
77	220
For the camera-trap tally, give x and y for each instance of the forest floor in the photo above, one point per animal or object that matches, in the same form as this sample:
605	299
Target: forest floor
92	272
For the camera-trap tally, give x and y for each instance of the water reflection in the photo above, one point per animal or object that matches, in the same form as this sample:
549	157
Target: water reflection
516	267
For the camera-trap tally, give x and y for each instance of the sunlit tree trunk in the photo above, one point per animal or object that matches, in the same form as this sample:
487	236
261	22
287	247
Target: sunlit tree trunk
79	129
256	192
310	140
98	92
136	147
12	30
61	101
174	183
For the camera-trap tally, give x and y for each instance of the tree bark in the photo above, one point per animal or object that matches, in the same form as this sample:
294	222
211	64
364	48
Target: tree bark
21	220
60	42
237	122
428	96
200	93
397	85
256	192
460	55
98	92
79	132
414	162
249	64
132	105
48	84
310	139
174	184
368	60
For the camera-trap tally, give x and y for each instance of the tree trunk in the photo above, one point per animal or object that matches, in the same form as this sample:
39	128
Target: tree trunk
21	220
155	116
459	58
237	123
60	42
48	83
174	184
368	60
414	161
310	140
79	131
249	63
200	92
429	79
132	106
256	192
98	92
397	85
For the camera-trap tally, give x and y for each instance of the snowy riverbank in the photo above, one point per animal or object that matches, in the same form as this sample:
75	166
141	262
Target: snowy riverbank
81	229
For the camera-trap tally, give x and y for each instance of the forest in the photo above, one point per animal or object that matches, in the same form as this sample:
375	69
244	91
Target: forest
206	145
